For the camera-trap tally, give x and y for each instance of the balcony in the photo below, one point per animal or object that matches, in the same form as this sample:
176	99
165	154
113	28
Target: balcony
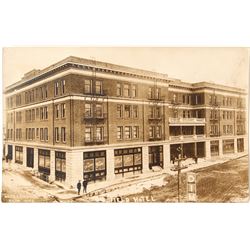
93	93
174	121
155	118
156	98
94	118
186	137
96	141
155	138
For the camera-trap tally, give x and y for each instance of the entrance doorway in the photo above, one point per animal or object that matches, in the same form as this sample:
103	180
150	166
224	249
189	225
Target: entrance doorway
30	157
155	156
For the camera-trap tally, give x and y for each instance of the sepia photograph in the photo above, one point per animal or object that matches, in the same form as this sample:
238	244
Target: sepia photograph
125	124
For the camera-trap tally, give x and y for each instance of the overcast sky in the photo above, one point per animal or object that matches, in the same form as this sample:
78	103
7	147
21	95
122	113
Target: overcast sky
228	66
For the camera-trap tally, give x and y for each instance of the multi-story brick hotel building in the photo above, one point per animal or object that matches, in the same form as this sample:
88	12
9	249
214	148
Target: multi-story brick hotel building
82	119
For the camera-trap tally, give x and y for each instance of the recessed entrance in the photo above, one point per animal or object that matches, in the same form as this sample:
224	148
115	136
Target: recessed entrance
155	156
30	157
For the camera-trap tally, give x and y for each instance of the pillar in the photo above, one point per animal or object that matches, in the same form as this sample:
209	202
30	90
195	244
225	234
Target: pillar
220	148
110	167
35	159
166	156
24	156
74	168
52	175
208	150
235	146
145	159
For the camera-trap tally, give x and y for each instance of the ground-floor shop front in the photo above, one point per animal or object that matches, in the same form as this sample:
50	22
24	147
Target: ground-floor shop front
70	166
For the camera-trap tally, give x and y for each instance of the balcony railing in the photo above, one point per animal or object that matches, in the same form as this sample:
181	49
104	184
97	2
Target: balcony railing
155	138
155	118
96	141
94	118
187	120
183	137
93	93
156	98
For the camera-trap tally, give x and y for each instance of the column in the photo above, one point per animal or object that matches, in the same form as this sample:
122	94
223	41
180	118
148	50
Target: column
166	156
24	156
74	168
145	160
208	150
52	176
110	168
220	148
235	146
35	159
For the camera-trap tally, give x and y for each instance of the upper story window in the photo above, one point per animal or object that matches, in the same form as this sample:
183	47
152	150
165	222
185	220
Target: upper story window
118	89
119	133
56	88
150	92
63	134
127	132
63	86
126	91
88	110
88	134
127	111
63	110
135	111
134	91
174	98
157	93
87	86
18	100
57	111
98	87
119	111
99	110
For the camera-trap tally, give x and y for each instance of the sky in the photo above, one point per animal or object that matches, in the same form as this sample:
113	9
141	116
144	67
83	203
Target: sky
227	66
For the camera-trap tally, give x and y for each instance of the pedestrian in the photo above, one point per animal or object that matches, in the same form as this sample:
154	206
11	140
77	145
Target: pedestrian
85	184
79	187
196	159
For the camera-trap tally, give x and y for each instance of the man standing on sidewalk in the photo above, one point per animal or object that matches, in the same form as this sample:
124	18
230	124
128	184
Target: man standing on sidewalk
85	184
79	187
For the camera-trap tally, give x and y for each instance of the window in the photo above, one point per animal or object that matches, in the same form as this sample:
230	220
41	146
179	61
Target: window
37	132
45	113
46	91
118	89
44	161
119	111
99	112
126	90
56	89
135	111
99	133
119	133
88	134
134	91
136	132
56	111
46	134
88	86
127	111
41	134
41	114
150	92
157	112
63	134
158	131
98	87
63	86
151	131
57	134
157	93
127	132
63	110
88	110
60	165
19	154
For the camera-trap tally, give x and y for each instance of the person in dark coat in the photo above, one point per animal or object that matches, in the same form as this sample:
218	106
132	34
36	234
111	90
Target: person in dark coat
85	184
79	185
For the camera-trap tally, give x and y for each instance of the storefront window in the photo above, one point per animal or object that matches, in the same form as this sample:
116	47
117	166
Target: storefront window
19	155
